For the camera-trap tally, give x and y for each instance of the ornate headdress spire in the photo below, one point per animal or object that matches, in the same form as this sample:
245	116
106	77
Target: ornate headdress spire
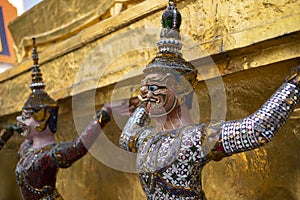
169	58
43	107
39	98
37	79
170	40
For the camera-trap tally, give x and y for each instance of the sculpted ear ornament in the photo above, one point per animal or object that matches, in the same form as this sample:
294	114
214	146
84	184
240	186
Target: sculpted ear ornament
42	117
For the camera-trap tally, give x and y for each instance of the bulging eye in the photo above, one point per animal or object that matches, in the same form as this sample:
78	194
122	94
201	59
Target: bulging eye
25	116
152	88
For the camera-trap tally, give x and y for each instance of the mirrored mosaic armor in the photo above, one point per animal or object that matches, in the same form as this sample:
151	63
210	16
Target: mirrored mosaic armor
170	162
37	168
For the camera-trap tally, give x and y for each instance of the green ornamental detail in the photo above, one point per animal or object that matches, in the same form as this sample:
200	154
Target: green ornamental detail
167	23
171	18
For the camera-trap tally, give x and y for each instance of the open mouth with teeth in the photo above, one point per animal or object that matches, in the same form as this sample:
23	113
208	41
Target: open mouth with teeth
25	129
23	125
158	101
158	105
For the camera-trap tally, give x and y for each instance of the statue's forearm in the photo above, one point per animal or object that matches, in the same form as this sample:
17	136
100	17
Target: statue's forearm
132	129
260	127
66	153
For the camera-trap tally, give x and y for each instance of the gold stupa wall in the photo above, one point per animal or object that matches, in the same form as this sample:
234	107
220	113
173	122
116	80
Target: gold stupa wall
99	48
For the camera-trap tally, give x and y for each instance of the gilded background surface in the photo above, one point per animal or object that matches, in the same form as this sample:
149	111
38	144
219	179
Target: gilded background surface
253	43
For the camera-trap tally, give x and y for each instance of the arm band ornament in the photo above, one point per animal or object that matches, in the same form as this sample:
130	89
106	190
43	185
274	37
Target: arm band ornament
102	117
260	127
